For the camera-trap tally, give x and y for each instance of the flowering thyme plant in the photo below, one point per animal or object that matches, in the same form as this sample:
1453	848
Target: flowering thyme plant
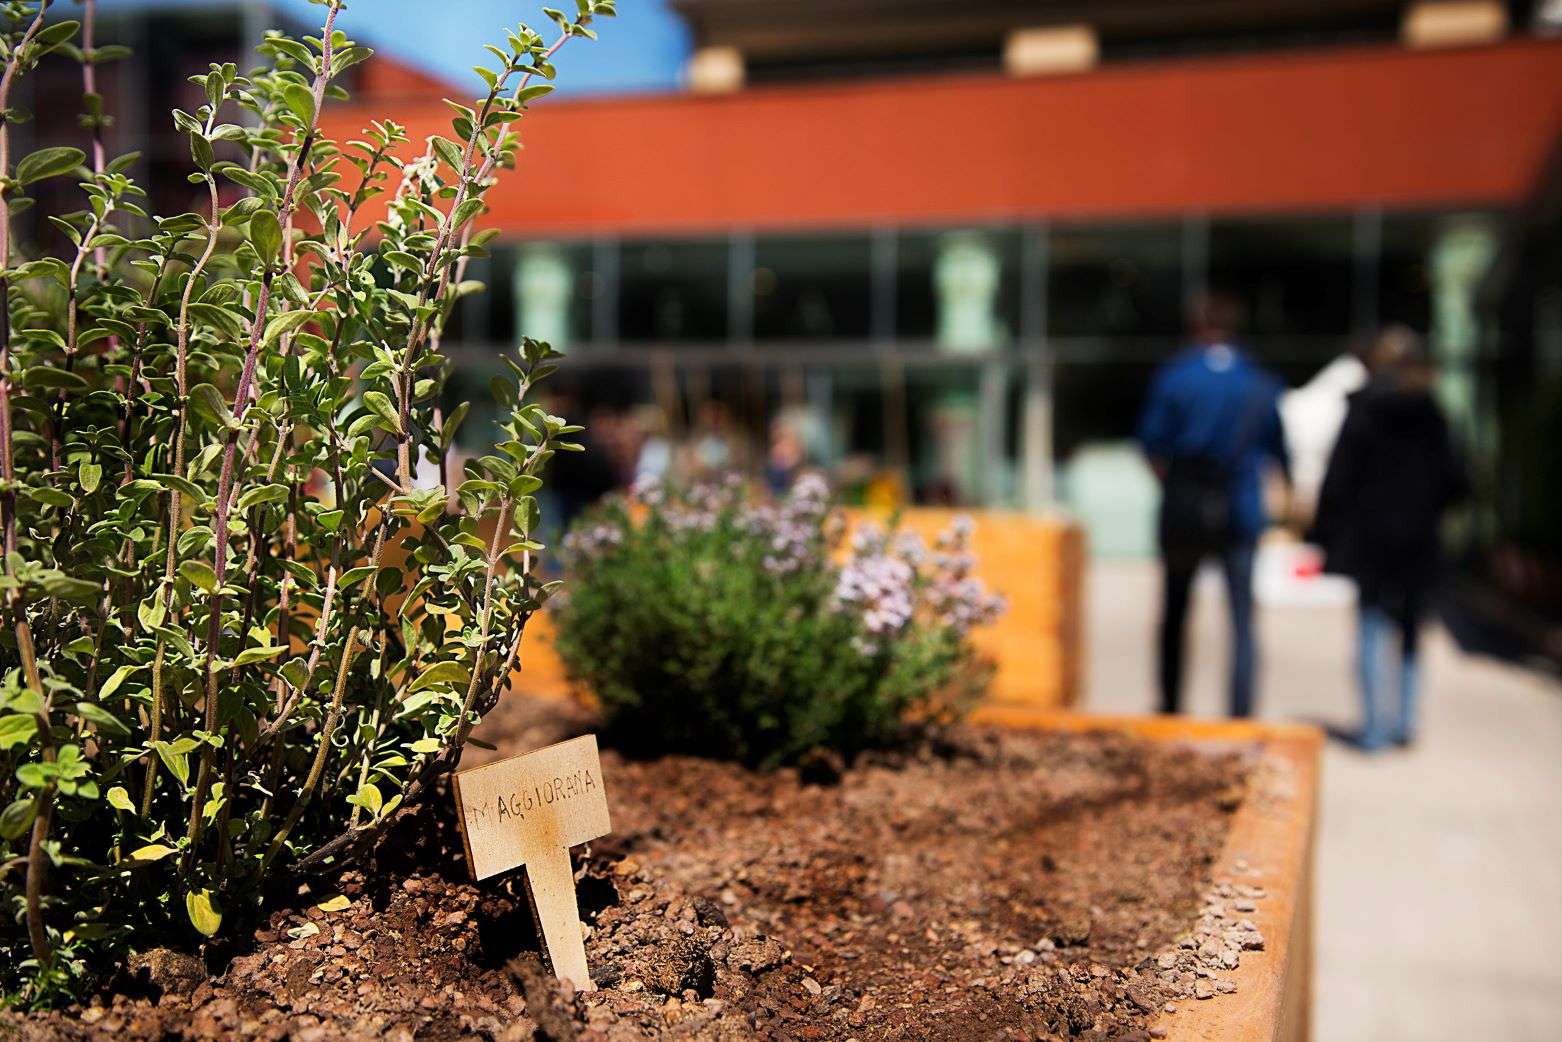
706	623
243	624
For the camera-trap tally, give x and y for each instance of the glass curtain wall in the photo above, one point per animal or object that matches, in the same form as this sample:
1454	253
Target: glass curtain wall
958	364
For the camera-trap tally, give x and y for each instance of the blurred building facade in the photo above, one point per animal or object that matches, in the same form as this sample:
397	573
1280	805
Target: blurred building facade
958	242
944	246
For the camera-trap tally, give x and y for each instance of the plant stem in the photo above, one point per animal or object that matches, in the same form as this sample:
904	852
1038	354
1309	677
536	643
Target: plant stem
36	861
333	716
241	402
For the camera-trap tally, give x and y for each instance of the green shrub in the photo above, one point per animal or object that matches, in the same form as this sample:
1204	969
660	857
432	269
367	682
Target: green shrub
707	624
238	634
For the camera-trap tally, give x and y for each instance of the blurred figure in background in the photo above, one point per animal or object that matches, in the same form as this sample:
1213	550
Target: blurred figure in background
1209	427
1393	474
712	452
786	456
654	452
1313	415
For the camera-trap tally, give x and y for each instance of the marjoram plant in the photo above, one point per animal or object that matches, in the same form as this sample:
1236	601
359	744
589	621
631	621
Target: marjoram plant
239	631
709	623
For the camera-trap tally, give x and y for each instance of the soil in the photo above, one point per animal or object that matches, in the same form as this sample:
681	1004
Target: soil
975	885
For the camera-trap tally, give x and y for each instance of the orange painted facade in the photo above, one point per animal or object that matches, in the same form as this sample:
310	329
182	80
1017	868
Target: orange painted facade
1321	131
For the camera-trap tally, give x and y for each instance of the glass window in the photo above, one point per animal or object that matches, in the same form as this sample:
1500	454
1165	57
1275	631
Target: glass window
1416	249
1295	274
944	429
1115	281
554	287
486	318
673	290
818	286
959	288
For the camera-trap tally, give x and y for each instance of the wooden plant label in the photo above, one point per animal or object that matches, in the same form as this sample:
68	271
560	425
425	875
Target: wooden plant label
528	810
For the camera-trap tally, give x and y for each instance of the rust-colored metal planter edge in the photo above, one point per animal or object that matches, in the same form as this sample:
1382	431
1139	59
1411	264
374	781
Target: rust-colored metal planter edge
1272	832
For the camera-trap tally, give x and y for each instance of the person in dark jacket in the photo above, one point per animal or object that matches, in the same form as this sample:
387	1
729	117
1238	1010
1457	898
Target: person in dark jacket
1209	429
1393	473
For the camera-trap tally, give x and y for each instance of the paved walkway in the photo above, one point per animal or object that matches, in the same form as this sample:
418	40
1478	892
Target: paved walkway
1440	868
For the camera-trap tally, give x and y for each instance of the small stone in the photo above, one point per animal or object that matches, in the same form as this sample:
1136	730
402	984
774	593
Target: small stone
1242	904
169	971
1166	960
812	986
1203	989
1025	958
1157	1032
1253	942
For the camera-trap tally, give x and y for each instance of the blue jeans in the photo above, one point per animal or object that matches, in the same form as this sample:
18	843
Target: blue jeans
1237	562
1386	678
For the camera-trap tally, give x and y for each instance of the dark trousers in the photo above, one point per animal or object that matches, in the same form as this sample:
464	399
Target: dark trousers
1237	562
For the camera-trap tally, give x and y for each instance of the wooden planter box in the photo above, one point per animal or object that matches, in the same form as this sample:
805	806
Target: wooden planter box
1036	563
1275	834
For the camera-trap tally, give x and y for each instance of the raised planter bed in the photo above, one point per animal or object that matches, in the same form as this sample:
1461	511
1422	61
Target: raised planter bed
1025	880
1271	840
1036	645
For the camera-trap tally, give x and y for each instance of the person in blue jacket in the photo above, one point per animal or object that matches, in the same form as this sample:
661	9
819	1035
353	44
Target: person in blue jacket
1210	427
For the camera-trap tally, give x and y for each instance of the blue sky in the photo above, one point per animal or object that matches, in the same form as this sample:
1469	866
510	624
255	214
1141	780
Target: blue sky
641	50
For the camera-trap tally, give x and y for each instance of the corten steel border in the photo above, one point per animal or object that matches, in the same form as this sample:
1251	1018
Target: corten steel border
1274	832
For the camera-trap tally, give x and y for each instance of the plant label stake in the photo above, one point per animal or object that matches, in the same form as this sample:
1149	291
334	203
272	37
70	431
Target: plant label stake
528	810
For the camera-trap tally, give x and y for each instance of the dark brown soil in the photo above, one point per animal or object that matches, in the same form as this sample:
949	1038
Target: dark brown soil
979	886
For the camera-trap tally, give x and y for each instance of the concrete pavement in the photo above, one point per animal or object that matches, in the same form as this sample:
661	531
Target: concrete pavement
1440	868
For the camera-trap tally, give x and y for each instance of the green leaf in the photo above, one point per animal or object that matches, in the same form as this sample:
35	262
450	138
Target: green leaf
112	684
152	852
286	322
380	404
447	433
16	817
353	576
69	588
200	574
447	672
205	915
265	234
50	378
261	495
448	151
369	798
212	406
48	162
226	322
52	36
300	101
152	611
330	520
89	475
17	729
250	656
202	153
183	485
119	799
175	760
106	721
339	903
